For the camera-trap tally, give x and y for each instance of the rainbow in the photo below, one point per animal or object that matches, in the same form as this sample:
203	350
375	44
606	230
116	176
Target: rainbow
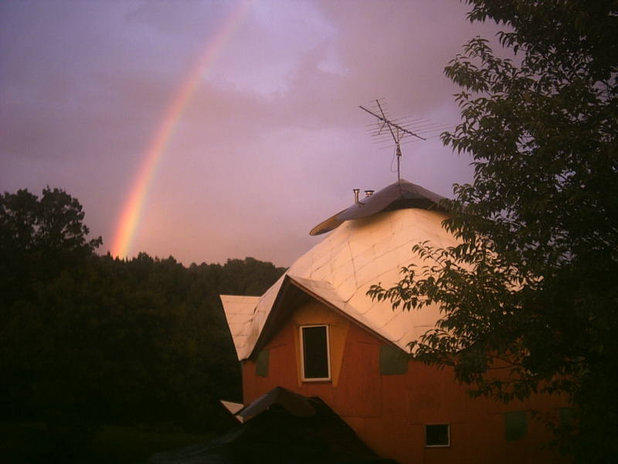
129	218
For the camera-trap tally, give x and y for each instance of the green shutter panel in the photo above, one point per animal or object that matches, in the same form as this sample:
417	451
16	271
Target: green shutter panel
516	425
393	361
566	416
261	363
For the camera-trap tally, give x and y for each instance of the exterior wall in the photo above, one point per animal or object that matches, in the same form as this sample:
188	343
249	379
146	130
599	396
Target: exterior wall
389	412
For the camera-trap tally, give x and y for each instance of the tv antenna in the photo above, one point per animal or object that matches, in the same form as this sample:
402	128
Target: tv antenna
397	131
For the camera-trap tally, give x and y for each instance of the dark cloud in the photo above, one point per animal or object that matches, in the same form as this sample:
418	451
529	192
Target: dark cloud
271	142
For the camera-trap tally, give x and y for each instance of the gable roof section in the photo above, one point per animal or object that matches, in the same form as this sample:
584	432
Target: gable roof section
293	292
239	314
246	316
326	294
339	271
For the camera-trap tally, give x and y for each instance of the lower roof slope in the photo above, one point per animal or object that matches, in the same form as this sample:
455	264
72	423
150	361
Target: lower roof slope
339	271
281	427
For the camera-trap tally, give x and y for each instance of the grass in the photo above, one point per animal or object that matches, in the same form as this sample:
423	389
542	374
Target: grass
28	443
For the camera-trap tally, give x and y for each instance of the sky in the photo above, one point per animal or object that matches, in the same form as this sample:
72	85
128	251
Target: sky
211	130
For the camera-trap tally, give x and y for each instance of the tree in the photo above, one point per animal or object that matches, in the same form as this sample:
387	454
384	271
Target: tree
43	244
532	285
54	222
39	238
89	340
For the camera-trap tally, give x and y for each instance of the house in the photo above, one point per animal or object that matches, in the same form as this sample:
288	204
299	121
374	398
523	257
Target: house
317	333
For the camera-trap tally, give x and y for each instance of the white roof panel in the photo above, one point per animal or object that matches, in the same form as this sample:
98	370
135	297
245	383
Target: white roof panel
239	314
340	270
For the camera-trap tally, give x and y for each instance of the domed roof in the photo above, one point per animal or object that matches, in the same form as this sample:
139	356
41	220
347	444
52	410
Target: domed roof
339	270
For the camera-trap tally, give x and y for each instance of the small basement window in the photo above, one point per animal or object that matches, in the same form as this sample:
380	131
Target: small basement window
437	435
315	353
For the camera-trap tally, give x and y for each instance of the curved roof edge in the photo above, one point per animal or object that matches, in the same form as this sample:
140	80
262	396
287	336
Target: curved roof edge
402	194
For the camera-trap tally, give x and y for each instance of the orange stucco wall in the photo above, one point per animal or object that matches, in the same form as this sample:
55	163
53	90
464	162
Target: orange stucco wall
389	412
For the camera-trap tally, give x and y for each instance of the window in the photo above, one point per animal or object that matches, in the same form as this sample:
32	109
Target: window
437	435
314	352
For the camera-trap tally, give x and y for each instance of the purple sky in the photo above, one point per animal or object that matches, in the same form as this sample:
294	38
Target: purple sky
272	141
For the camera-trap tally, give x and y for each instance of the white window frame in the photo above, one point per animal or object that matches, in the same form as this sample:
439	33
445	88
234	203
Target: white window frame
302	354
448	429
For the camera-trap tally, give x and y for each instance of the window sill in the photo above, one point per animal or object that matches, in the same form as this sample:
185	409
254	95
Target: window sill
316	380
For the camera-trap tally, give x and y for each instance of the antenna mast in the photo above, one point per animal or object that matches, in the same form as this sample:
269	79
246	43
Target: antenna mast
397	132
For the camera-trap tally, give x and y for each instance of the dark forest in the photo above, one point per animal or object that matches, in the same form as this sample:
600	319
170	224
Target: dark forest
89	341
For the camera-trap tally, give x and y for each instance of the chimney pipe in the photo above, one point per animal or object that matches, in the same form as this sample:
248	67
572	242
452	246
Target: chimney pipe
368	193
356	193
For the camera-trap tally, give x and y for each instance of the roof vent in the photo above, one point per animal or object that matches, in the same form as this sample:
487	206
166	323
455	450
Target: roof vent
356	193
368	193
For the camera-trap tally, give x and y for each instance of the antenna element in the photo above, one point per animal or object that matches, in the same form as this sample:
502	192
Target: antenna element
397	133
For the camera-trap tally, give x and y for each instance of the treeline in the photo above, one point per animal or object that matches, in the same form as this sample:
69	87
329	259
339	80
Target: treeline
87	340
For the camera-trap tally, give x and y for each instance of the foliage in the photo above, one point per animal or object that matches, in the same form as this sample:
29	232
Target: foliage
531	290
53	223
27	442
39	238
87	340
